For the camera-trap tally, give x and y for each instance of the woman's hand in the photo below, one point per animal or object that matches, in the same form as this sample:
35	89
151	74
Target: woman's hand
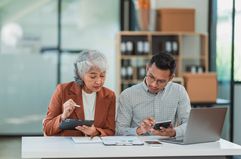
69	107
88	130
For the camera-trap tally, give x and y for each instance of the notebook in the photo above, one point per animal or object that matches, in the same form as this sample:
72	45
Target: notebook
122	141
86	140
204	125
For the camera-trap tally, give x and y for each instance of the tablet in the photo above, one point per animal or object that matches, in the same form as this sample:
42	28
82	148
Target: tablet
70	124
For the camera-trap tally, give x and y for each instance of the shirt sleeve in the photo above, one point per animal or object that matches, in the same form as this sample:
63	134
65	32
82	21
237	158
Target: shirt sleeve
124	116
183	111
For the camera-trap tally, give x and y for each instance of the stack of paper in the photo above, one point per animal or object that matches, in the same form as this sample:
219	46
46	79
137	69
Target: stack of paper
86	140
121	141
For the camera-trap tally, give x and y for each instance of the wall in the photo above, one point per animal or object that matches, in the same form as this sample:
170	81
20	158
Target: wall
237	116
201	7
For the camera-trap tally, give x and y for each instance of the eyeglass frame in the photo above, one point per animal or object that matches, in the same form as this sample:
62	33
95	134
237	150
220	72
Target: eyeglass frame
153	79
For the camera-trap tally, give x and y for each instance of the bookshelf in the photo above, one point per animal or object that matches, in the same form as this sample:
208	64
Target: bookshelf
135	49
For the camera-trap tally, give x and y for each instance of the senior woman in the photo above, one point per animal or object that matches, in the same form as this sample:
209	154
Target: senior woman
96	102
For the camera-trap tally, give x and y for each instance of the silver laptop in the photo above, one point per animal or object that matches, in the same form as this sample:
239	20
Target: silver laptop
204	125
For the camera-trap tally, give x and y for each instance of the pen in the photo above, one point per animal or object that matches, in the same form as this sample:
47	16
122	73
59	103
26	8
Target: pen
77	105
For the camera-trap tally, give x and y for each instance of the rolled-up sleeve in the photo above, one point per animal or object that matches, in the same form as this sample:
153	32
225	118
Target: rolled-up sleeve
183	111
124	116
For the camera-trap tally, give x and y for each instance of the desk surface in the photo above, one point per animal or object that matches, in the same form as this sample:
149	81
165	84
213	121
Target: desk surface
64	147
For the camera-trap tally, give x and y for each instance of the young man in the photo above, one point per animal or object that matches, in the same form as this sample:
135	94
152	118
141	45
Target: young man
156	99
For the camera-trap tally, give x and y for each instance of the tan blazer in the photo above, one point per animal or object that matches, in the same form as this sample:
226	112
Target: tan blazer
104	119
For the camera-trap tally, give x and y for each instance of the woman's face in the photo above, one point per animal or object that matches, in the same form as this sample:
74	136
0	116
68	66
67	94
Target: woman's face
94	80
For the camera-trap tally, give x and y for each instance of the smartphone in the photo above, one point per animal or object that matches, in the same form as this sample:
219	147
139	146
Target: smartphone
153	143
164	124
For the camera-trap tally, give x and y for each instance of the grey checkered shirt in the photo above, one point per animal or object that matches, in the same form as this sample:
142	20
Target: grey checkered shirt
137	103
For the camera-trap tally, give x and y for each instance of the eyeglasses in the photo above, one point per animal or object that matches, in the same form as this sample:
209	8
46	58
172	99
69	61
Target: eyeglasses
153	79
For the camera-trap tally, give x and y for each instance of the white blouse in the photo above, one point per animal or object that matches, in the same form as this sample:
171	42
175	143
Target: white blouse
89	101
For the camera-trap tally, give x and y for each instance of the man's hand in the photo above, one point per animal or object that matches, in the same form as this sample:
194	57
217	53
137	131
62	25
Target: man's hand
145	126
165	131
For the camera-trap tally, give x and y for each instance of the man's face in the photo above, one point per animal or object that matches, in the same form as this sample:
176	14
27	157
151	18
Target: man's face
157	79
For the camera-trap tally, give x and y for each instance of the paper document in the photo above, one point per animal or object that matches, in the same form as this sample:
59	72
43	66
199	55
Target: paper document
86	140
121	141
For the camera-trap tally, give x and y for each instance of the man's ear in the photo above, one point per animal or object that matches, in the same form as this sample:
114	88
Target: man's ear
172	76
147	67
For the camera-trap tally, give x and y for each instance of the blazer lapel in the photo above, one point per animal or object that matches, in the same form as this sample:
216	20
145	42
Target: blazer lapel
99	107
79	111
77	97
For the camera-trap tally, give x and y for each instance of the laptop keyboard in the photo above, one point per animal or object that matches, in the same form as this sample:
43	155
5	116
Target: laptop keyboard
173	139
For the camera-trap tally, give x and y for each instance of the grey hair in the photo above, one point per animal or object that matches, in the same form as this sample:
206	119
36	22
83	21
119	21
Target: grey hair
86	60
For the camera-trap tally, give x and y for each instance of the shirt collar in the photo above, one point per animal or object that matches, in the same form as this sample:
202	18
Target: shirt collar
144	85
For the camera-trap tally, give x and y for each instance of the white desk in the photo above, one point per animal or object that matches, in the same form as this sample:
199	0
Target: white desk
64	147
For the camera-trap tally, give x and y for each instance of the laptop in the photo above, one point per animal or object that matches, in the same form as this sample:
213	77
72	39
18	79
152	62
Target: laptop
204	125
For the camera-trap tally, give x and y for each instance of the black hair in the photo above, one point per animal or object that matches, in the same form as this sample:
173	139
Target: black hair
164	61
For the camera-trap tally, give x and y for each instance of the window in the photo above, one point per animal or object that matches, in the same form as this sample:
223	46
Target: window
29	55
237	40
224	41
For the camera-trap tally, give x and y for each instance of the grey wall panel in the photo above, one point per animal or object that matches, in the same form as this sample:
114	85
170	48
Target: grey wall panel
237	114
27	83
